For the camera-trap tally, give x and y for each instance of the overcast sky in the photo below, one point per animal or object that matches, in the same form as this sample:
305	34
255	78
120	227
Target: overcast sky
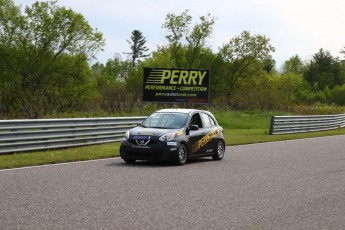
294	26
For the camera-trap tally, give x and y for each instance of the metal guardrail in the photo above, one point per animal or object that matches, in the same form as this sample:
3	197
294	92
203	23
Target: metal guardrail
42	134
302	124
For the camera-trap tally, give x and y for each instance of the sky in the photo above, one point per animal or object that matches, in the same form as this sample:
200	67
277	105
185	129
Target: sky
294	27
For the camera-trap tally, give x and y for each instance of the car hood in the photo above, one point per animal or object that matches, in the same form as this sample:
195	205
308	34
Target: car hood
150	131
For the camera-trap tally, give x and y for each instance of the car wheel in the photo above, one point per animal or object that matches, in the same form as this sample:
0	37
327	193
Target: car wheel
219	151
182	154
129	161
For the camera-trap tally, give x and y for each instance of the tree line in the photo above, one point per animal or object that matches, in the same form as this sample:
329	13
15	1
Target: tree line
45	70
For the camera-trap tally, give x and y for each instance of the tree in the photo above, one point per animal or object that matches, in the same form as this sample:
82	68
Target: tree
291	84
8	81
112	87
114	68
293	65
138	47
337	95
244	56
343	51
180	35
324	70
33	47
197	38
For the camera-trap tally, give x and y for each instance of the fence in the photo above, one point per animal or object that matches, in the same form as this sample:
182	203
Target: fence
301	124
41	134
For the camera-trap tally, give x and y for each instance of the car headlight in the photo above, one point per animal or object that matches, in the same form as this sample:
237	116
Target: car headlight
168	137
127	135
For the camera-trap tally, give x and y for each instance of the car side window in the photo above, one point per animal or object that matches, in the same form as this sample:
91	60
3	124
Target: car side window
213	123
206	120
196	120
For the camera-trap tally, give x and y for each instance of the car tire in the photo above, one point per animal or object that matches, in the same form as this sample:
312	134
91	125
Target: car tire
181	155
129	161
219	151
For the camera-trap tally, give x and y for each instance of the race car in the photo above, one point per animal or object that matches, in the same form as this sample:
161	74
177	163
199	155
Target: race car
174	135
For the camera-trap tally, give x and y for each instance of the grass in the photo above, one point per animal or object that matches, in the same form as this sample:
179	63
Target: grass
241	120
59	156
239	128
251	136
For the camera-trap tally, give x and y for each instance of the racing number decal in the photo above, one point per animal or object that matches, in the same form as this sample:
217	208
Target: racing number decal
203	141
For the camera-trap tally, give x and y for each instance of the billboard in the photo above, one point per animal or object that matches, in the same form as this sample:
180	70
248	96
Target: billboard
176	85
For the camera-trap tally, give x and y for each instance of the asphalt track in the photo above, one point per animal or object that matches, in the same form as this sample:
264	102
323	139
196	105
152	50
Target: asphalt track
296	184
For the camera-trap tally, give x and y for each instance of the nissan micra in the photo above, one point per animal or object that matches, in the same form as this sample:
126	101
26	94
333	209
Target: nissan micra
175	135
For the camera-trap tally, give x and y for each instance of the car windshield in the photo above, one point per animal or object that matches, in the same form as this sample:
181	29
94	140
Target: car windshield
165	120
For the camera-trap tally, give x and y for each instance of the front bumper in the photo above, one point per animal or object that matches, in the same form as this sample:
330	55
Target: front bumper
157	151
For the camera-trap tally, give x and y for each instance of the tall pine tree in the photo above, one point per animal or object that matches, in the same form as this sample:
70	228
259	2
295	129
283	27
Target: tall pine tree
138	47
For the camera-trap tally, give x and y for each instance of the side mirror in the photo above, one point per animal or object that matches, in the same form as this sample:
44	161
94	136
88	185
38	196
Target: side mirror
194	127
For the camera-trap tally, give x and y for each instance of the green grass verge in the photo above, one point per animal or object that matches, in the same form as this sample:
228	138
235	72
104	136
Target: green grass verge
59	156
251	136
239	128
242	120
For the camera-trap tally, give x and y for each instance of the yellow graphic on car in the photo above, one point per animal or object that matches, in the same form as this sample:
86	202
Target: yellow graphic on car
203	141
179	133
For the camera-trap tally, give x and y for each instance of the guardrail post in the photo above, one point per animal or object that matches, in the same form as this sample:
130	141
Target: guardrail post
271	125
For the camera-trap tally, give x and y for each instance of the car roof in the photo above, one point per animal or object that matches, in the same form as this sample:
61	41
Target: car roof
186	111
179	110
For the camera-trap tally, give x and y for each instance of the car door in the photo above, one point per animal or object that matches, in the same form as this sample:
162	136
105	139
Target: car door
195	135
211	133
198	138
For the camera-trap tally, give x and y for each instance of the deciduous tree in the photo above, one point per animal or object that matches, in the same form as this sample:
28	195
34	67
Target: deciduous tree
244	56
186	44
293	65
34	44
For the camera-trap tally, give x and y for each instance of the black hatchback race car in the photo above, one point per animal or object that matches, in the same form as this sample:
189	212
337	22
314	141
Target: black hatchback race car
176	135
